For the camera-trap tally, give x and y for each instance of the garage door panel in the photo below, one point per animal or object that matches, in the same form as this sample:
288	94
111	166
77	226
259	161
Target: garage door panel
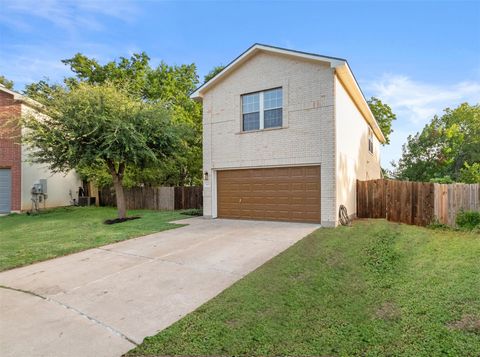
312	186
315	201
286	193
299	186
297	172
312	171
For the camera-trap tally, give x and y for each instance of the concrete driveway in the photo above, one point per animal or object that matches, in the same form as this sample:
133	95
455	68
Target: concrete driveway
104	301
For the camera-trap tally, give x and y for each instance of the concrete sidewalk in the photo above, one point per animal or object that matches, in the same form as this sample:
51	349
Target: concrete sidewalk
104	301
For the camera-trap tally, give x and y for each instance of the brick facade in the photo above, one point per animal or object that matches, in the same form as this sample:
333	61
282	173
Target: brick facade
325	122
308	132
10	148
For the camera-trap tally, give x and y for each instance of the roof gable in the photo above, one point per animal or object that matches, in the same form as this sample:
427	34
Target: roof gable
21	98
340	65
252	51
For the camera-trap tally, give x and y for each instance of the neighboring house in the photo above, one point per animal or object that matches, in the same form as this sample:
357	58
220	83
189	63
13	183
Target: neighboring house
286	134
17	174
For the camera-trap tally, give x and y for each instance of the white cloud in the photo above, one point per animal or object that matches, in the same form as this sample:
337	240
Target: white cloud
25	64
69	15
416	101
415	104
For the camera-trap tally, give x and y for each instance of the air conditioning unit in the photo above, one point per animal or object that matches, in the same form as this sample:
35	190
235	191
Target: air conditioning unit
40	187
39	194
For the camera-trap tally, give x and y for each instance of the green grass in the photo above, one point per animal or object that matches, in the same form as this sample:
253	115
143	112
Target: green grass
374	289
27	239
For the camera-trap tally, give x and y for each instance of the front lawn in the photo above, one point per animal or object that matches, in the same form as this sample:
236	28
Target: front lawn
27	239
375	289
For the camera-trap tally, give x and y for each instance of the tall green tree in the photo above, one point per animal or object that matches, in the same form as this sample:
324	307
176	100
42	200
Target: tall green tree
171	85
101	126
384	116
130	73
470	173
215	70
448	148
6	82
42	91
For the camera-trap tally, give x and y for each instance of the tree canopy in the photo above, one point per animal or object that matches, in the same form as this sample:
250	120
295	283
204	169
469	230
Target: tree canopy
447	149
6	82
101	126
384	116
170	85
215	70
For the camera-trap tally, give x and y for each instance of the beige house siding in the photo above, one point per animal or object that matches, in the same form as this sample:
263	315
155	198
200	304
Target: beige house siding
58	185
307	136
354	161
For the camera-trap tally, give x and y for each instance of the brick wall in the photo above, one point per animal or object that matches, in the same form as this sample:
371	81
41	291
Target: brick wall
10	148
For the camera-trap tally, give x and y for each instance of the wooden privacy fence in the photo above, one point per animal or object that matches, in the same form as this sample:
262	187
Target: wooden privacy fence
450	199
156	198
417	203
188	197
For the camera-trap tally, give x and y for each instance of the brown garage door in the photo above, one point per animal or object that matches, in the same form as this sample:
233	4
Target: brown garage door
283	194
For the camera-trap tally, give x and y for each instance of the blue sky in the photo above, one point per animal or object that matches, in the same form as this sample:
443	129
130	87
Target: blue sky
419	57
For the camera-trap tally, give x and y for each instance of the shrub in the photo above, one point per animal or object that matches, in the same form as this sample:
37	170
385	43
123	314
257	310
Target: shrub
445	179
435	224
193	212
468	219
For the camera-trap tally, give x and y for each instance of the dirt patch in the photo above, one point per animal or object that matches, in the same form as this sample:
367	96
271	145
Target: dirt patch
388	311
120	220
468	323
232	323
335	260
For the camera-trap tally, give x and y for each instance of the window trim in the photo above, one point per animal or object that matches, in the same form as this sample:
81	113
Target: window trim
261	117
370	141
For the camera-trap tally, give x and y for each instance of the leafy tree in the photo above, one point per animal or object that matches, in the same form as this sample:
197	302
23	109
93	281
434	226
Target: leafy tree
447	147
384	116
470	173
6	82
215	70
42	91
171	85
445	179
101	125
130	73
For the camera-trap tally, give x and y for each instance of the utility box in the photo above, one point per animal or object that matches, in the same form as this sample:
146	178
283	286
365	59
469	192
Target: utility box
40	187
43	182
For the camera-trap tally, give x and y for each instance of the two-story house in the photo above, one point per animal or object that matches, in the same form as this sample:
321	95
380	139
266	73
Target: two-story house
17	173
286	134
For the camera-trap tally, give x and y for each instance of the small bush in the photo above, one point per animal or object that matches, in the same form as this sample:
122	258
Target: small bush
193	212
468	220
435	224
445	179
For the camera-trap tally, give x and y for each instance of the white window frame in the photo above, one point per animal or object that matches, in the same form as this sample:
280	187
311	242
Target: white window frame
262	106
261	125
370	140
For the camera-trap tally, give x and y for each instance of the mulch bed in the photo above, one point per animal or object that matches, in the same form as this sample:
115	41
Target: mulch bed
120	220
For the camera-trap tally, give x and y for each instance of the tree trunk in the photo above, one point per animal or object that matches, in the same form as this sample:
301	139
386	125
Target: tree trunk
117	177
121	204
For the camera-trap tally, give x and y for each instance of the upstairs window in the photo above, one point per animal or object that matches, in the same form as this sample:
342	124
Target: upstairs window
262	110
370	140
251	111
